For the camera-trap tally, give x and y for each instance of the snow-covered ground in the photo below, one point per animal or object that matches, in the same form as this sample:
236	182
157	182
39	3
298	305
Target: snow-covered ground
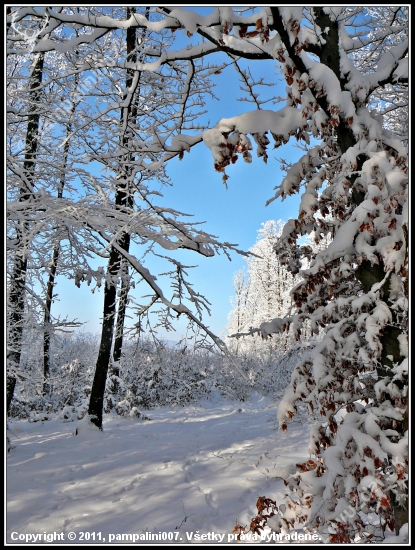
196	470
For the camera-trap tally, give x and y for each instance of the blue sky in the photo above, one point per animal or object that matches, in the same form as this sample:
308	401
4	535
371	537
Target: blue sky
233	214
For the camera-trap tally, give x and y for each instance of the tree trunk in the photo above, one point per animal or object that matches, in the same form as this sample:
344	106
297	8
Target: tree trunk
122	306
125	287
122	199
96	402
47	318
18	279
55	257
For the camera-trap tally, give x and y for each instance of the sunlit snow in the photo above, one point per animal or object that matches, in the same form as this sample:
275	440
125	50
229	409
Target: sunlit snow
187	469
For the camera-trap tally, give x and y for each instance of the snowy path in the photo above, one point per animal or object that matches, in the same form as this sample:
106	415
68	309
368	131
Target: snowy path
197	468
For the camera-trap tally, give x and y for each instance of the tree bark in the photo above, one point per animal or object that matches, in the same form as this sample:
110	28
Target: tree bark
47	318
96	402
122	307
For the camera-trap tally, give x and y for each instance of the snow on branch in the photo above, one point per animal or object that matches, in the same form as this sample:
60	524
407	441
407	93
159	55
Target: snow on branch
229	136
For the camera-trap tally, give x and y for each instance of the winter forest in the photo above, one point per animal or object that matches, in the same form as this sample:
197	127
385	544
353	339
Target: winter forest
291	428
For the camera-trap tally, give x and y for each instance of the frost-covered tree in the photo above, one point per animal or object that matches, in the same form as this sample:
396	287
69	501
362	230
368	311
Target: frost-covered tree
346	70
357	287
127	107
240	314
24	181
262	292
40	241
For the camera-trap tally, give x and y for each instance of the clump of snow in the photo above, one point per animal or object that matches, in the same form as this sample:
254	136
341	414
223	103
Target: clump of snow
401	538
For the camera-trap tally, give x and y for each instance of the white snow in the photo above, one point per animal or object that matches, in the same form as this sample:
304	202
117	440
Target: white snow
284	121
198	468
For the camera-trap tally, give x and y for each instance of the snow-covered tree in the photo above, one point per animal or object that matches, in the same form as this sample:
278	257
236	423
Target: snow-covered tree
124	115
20	226
346	70
262	292
356	287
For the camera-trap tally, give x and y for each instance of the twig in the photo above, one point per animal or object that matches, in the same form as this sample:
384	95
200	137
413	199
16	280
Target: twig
185	517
